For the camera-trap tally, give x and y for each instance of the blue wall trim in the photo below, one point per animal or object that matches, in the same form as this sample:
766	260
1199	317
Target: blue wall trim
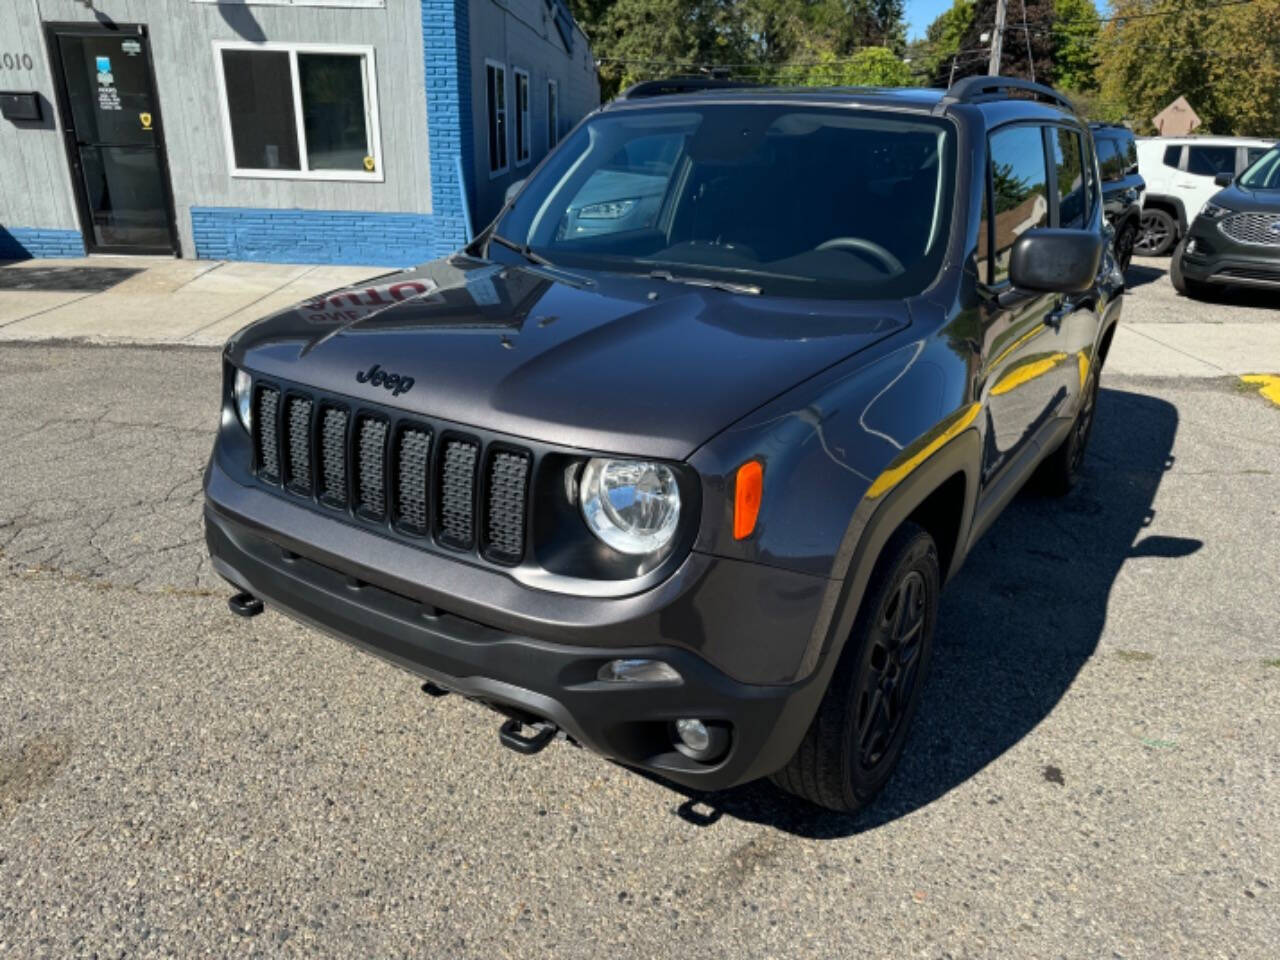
316	236
446	48
24	243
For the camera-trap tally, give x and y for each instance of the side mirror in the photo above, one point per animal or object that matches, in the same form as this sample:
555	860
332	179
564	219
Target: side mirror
1224	179
512	190
1055	261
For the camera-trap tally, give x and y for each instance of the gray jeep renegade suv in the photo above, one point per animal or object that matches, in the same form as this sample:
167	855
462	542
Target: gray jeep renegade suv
675	458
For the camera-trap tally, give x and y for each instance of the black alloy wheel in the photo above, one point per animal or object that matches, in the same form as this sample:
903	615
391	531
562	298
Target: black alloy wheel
1159	232
1124	246
858	733
889	680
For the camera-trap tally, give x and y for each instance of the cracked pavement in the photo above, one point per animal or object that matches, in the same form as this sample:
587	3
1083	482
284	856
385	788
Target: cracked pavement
1095	770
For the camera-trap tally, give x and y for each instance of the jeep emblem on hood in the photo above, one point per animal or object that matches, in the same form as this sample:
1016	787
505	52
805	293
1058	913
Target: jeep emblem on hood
380	378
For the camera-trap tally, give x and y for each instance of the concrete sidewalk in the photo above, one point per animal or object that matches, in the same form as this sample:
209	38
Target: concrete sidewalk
166	301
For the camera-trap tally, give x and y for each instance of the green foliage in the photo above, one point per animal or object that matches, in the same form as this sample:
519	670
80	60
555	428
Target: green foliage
870	67
942	40
1225	61
1026	53
1075	41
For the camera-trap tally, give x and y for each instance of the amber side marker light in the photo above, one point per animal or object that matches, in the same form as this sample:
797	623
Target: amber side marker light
748	490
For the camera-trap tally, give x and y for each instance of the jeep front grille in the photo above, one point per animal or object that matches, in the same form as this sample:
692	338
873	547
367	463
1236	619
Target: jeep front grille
1258	229
414	480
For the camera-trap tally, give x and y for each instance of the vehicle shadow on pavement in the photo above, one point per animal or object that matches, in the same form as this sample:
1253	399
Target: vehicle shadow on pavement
1016	625
1138	276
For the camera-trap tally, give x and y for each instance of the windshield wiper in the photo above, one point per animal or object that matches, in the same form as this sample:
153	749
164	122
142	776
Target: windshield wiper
726	285
521	248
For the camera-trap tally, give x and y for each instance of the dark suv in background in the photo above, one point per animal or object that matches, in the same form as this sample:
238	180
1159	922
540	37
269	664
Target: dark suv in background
675	458
1235	239
1122	186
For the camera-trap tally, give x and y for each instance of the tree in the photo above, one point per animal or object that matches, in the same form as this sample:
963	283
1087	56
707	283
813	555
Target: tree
942	40
869	67
1224	60
1075	39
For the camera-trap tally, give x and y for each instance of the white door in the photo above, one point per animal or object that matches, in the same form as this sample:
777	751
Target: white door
1195	183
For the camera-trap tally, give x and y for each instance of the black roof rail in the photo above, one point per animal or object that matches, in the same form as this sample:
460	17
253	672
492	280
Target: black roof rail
673	85
982	89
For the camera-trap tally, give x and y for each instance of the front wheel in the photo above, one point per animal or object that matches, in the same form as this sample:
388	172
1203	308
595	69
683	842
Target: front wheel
1125	242
1194	289
854	742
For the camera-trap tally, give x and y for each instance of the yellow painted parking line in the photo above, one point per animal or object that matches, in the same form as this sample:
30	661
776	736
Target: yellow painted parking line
1268	385
1083	362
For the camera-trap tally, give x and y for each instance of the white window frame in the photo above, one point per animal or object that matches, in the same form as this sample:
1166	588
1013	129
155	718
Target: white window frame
524	115
553	114
373	131
501	67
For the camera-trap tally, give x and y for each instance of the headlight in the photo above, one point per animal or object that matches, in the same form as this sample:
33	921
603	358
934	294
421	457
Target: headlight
243	390
1213	212
632	505
606	210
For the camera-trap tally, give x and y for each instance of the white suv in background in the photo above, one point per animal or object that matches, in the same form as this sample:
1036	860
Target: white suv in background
1179	172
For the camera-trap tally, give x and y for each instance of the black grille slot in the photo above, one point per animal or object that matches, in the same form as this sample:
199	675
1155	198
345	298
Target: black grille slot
298	441
371	496
265	425
333	456
457	493
412	456
507	482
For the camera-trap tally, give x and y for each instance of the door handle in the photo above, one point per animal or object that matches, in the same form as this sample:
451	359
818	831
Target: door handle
1053	319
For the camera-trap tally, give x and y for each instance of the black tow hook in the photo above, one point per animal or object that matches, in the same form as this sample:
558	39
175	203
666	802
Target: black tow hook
245	605
434	690
510	736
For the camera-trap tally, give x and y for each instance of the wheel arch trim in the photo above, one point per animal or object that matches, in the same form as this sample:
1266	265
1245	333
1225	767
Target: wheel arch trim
954	448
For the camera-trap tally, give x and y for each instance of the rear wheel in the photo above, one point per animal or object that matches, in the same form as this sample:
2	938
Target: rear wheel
1125	242
854	742
1158	233
1058	473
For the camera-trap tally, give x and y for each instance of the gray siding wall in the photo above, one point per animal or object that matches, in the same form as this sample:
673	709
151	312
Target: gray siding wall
519	33
35	186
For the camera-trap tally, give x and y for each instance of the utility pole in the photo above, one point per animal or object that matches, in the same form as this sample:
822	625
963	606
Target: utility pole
997	39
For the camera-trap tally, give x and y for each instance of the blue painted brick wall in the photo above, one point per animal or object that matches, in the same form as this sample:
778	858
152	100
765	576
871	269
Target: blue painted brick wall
446	47
24	243
314	236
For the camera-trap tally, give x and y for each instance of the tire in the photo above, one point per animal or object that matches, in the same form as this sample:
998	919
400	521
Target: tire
1194	289
834	767
1158	234
1125	241
1058	473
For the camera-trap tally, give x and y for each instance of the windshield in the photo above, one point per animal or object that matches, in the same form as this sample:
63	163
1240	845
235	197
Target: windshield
793	200
1263	175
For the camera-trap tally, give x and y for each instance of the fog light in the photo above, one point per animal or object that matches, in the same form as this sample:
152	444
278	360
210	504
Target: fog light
1191	246
701	740
639	671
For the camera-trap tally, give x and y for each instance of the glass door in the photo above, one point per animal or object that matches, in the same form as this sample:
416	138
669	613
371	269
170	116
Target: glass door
111	123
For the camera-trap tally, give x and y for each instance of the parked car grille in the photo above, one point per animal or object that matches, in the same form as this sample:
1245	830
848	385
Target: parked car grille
1256	228
407	476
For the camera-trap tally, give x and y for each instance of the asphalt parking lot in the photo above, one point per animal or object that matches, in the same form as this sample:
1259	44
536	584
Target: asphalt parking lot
1095	770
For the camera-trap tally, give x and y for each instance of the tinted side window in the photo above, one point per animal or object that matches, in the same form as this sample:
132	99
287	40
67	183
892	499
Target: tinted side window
1129	149
1109	160
1073	203
1171	156
1020	195
1209	161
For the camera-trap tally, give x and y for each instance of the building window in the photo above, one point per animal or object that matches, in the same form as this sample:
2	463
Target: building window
299	111
496	103
553	114
522	116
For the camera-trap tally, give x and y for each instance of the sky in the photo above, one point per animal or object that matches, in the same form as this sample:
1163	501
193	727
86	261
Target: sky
921	13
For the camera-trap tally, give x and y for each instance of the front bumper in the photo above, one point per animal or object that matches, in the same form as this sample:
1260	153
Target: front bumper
543	666
1219	259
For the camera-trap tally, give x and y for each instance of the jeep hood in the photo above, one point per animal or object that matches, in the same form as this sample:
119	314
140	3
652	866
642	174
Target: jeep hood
607	362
